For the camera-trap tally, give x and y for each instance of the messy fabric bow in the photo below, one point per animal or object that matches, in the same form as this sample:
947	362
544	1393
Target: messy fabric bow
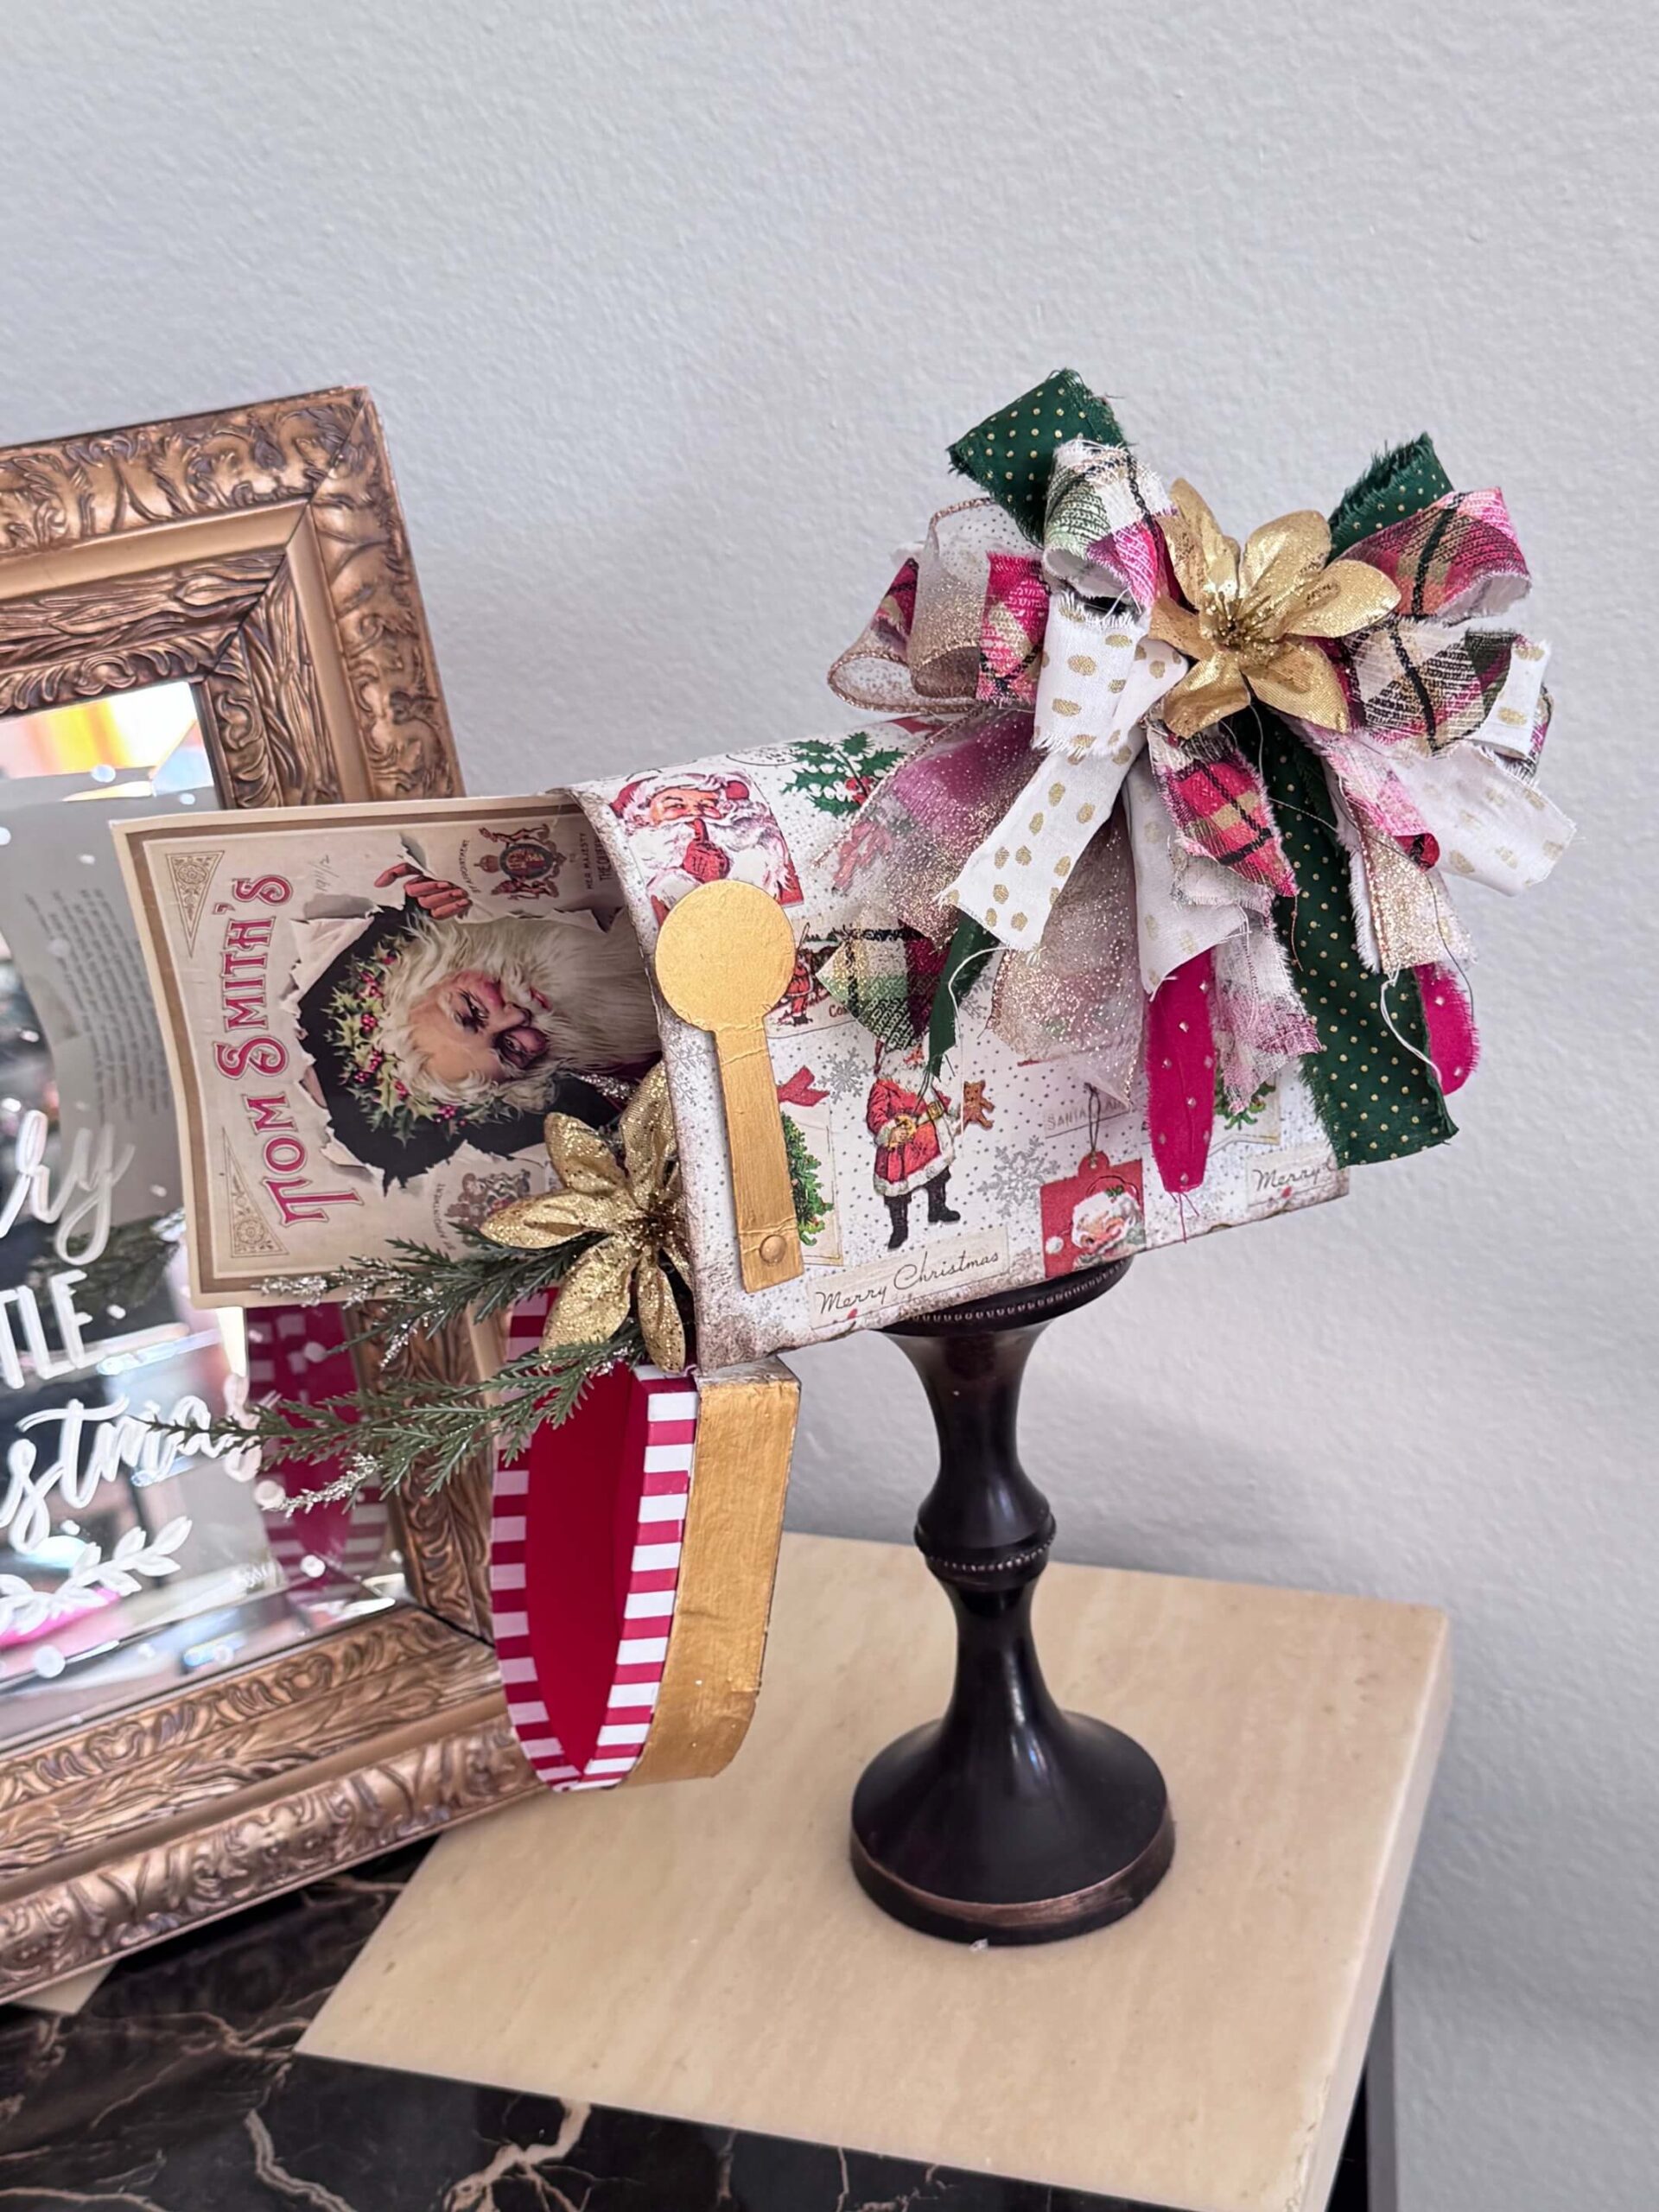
1195	803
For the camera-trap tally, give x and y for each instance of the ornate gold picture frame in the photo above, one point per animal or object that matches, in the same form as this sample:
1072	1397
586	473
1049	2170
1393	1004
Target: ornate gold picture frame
260	554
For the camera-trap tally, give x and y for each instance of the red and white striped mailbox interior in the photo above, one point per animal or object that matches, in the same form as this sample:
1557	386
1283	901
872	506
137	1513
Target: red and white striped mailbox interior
586	1536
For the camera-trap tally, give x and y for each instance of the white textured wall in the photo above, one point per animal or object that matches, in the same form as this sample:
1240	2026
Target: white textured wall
671	310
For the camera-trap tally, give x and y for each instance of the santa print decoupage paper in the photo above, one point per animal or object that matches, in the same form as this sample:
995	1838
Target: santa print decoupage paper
369	1012
909	1194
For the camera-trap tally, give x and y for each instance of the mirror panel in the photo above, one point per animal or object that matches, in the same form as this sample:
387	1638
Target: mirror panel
129	1563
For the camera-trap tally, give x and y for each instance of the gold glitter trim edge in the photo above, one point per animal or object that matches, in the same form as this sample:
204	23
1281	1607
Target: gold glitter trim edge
728	1560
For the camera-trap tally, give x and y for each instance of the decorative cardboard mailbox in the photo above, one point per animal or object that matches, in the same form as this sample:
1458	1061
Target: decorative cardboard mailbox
914	1187
279	939
1125	919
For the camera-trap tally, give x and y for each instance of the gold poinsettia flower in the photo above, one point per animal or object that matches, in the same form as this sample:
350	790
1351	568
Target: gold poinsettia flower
635	1203
1251	613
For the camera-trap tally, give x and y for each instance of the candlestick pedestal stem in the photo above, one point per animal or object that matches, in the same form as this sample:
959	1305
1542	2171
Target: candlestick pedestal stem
1008	1821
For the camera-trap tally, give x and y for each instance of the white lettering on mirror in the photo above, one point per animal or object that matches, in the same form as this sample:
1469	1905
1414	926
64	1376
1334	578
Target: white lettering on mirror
84	1190
90	1445
104	1444
92	1173
81	1208
20	1299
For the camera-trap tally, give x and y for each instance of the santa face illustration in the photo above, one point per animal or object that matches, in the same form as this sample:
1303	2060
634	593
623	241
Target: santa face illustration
693	802
1101	1222
687	829
431	1030
909	1119
477	1026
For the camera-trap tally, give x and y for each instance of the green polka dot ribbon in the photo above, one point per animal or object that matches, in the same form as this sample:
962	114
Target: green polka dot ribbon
1398	483
1377	1099
1011	454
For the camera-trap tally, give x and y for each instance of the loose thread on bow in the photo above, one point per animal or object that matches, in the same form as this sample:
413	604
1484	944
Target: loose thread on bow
1462	973
1469	992
1395	1032
961	974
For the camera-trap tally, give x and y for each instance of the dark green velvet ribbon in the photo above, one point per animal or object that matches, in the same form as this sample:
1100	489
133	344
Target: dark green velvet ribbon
1376	1100
971	945
1401	482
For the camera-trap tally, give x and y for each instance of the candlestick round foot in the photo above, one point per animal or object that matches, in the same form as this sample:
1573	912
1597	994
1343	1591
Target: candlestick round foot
1077	1836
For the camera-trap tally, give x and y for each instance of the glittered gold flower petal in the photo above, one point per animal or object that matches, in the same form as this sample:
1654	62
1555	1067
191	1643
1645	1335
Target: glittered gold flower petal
1178	626
538	1223
647	1133
1347	596
1280	560
1207	693
675	1251
659	1318
1300	680
1203	558
585	1161
592	1300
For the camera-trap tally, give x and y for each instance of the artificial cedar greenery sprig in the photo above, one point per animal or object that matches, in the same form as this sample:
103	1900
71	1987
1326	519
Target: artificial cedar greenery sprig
610	1239
409	1430
418	1290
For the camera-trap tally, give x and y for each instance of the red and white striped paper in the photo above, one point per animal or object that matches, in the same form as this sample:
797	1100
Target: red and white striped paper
587	1527
299	1352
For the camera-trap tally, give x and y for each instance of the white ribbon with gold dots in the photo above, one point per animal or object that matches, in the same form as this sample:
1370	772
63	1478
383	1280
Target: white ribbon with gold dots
1100	674
1176	916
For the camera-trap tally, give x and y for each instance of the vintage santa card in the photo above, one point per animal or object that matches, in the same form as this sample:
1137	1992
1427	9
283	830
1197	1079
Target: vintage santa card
370	1011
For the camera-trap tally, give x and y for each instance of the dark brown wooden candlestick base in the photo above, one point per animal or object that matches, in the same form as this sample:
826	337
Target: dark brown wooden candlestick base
1008	1821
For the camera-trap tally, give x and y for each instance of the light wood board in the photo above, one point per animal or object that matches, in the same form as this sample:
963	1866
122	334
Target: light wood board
66	1996
701	1949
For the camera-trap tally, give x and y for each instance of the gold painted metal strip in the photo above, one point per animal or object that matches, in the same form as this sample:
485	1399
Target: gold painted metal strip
768	1239
734	1523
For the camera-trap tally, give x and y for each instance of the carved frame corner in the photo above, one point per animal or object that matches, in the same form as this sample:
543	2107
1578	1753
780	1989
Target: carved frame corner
258	552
